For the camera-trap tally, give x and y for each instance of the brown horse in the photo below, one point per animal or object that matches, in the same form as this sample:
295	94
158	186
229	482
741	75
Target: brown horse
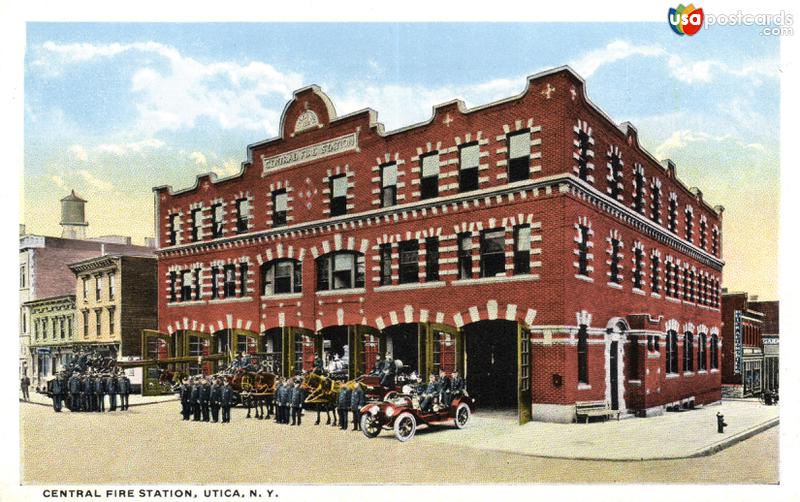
323	393
257	391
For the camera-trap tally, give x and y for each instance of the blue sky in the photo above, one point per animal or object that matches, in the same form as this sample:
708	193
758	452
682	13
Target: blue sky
114	109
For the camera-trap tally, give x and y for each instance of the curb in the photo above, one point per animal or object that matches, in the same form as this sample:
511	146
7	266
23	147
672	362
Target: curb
736	438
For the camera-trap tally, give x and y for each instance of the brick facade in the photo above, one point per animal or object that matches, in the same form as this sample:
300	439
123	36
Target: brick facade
594	209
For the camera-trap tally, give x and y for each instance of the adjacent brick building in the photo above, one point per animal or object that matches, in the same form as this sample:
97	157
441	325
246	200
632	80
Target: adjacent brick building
531	243
770	340
52	333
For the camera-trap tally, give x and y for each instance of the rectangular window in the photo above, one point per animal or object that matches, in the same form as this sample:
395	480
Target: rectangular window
388	185
98	288
583	250
214	282
86	289
243	279
638	264
343	271
469	158
62	328
111	321
22	279
98	322
432	259
409	262
217	220
464	256
112	285
386	264
689	221
429	184
283	277
197	284
280	206
339	195
493	256
614	266
174	222
522	249
230	281
583	355
186	285
242	215
633	364
197	222
85	323
654	279
519	156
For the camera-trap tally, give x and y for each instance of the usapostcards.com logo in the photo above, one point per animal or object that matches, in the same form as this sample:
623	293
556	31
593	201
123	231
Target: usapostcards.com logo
685	20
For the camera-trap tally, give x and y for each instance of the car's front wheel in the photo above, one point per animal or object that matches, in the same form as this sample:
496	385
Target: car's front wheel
462	416
370	426
405	426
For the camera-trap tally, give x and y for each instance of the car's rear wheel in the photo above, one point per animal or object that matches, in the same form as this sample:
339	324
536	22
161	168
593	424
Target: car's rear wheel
405	426
462	416
370	426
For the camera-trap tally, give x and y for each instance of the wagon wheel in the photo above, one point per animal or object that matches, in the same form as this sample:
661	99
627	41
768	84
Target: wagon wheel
462	416
370	426
405	426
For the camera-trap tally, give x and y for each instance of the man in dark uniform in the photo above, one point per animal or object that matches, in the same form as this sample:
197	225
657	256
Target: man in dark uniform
387	380
57	391
357	401
186	399
431	391
216	398
74	385
205	398
297	403
342	405
124	388
380	365
195	398
112	389
318	365
457	385
226	400
276	399
25	387
445	395
86	393
100	392
92	395
283	403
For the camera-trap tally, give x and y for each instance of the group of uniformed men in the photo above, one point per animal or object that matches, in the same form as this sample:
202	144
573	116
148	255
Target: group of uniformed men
440	389
203	398
87	392
351	398
288	400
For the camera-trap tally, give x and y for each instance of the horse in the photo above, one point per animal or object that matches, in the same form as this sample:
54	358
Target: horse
257	391
321	395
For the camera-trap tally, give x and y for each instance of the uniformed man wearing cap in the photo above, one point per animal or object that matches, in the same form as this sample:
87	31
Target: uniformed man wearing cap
297	403
100	392
357	401
216	398
205	399
124	388
111	388
186	398
92	392
86	393
195	398
74	385
343	405
57	391
226	401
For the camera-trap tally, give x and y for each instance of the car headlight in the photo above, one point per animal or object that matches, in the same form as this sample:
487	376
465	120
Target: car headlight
373	410
389	411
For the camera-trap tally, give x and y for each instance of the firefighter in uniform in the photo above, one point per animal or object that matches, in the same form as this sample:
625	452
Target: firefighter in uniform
57	391
92	392
195	398
342	405
86	393
124	389
112	388
226	400
205	398
431	391
75	391
357	401
297	403
186	399
216	398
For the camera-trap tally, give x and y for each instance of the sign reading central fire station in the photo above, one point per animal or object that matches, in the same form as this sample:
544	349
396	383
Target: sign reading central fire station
316	151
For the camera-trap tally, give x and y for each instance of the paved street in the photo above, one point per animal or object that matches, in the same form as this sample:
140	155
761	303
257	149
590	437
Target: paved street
150	444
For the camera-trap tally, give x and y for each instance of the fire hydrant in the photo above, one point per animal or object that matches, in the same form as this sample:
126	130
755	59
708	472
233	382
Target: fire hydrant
721	423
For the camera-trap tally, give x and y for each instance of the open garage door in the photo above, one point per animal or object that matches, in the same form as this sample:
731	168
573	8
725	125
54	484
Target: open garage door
524	411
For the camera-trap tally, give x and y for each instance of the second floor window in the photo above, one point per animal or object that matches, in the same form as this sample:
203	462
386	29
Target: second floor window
638	264
654	271
112	285
409	262
280	277
519	156
215	282
98	288
614	254
174	229
173	279
340	270
85	323
217	220
98	322
280	206
386	264
469	158
242	215
432	259
464	255
583	250
388	185
493	256
338	195
186	285
112	325
86	289
429	184
229	286
522	249
243	289
197	224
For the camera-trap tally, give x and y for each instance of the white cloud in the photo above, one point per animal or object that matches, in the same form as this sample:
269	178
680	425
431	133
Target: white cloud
198	158
78	152
122	149
707	69
97	183
611	53
58	181
683	138
228	168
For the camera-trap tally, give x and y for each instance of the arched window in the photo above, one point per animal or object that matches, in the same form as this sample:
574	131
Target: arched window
583	355
672	352
701	352
280	277
340	270
688	352
714	352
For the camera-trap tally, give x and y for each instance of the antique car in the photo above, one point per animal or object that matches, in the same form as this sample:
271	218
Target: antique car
401	413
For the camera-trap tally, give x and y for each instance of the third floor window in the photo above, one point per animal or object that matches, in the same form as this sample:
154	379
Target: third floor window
388	185
469	159
280	206
519	156
429	184
338	195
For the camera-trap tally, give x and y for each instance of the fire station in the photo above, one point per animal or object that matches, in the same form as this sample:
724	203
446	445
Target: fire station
531	244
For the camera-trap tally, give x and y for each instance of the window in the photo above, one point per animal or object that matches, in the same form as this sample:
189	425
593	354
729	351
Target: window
583	249
242	215
614	268
672	352
98	288
583	355
429	184
98	322
522	249
655	258
217	220
493	256
214	282
340	270
112	285
464	255
111	321
702	364
62	327
229	286
614	178
633	364
338	195
86	289
691	286
638	188
280	206
714	352
186	285
386	264
243	279
85	323
409	262
198	283
174	230
672	215
432	259
655	206
584	153
689	221
388	185
715	241
280	277
22	277
703	230
519	156
688	352
686	283
197	224
669	286
469	156
638	264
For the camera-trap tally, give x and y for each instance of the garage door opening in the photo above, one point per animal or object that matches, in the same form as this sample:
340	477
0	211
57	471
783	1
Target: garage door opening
335	349
491	364
402	342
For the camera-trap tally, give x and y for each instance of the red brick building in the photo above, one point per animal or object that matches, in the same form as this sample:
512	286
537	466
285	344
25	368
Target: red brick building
745	369
530	243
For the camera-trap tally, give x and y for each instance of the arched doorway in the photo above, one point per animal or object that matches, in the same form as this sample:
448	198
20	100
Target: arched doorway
616	336
406	343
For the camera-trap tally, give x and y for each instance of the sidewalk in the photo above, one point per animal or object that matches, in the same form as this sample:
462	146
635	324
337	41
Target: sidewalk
133	400
677	435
